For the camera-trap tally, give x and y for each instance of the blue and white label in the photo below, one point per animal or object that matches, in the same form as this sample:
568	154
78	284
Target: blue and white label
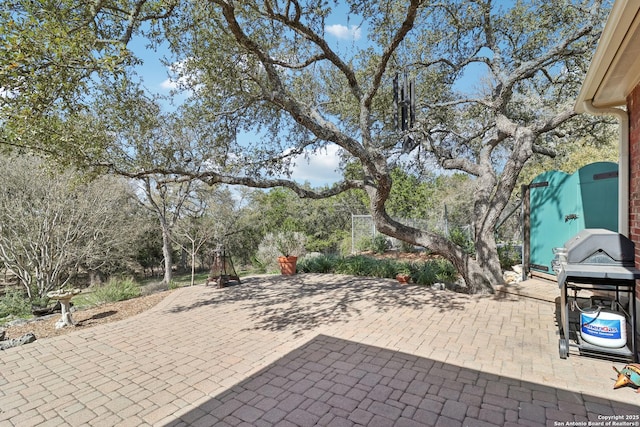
601	328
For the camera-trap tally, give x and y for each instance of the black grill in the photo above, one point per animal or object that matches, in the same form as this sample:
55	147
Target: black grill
597	246
597	260
598	255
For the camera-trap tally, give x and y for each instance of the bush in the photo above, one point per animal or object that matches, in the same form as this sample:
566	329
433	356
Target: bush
14	303
354	265
378	244
461	238
407	247
259	265
423	273
509	255
282	243
405	268
318	264
115	290
328	244
437	270
386	269
445	271
346	246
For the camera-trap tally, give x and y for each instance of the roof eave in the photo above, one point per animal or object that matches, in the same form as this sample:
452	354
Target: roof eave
620	21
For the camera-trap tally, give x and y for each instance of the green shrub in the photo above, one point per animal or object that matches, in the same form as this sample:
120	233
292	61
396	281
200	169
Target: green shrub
281	243
404	267
363	244
115	290
379	244
461	238
384	268
346	246
445	271
407	247
318	264
437	270
354	265
14	303
509	255
423	273
259	265
37	300
328	243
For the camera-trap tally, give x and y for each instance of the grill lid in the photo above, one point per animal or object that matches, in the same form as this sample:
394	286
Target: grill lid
600	246
595	255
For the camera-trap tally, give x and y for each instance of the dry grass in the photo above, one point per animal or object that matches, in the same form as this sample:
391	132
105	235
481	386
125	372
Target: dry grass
87	318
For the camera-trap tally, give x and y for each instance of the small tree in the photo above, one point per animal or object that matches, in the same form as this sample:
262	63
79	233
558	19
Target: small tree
165	201
53	226
192	234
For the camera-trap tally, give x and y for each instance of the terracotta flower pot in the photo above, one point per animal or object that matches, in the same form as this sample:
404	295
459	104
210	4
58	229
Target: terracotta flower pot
288	265
403	278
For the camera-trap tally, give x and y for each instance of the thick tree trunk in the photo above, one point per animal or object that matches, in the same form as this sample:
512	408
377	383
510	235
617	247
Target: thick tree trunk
478	278
480	274
487	260
486	256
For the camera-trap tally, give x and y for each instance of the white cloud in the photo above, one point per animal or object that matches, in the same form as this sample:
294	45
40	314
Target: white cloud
320	169
340	31
179	77
8	94
169	84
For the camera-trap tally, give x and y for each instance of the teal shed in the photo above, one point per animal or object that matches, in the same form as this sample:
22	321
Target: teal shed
561	205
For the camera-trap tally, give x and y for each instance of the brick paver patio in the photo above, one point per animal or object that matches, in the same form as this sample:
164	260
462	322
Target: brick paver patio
316	350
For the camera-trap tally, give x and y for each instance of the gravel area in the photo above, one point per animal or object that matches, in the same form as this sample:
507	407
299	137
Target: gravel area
86	318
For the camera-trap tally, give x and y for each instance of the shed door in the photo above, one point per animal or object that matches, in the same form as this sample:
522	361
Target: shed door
561	205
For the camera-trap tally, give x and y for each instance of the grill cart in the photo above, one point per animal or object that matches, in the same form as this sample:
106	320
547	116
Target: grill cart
598	260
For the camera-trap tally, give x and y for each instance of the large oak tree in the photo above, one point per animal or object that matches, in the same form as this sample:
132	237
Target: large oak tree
494	84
